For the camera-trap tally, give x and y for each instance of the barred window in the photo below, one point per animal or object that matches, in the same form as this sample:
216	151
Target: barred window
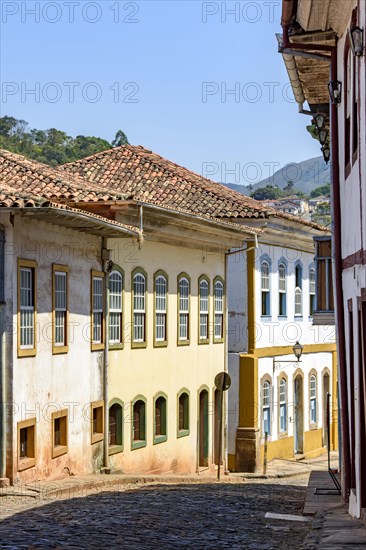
265	271
160	308
298	291
60	303
98	311
139	308
266	407
27	325
115	307
282	288
283	405
183	309
203	306
219	310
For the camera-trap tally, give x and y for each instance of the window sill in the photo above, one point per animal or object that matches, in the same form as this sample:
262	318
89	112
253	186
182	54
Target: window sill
58	350
298	318
203	342
282	317
323	318
32	352
313	426
115	449
59	450
160	439
138	345
95	438
162	344
112	347
138	444
266	317
282	435
25	463
183	342
218	341
97	347
182	433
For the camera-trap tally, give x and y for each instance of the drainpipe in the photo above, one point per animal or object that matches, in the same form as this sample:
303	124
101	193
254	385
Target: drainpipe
2	365
338	271
105	258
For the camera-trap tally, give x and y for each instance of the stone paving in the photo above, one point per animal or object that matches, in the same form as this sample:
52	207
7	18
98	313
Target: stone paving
199	516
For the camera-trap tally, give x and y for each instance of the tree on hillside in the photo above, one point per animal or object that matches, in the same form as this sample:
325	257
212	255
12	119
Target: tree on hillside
266	193
320	191
52	146
289	187
120	139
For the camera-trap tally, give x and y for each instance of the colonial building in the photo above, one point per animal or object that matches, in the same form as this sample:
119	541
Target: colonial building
324	51
119	326
272	305
285	258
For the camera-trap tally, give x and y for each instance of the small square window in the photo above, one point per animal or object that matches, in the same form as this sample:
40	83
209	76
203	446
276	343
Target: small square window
26	444
97	421
59	433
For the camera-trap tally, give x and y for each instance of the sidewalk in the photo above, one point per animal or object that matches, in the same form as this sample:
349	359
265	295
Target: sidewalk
333	528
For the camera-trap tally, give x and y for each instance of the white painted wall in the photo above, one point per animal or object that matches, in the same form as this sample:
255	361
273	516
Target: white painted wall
46	382
237	302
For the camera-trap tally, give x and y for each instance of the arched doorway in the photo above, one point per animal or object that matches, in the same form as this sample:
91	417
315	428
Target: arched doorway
203	429
299	414
326	390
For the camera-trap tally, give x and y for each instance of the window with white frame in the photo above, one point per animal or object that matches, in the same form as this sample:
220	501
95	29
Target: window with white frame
160	308
98	311
203	306
298	291
265	288
139	308
283	405
115	307
282	288
312	291
219	310
183	309
313	407
26	307
60	305
266	407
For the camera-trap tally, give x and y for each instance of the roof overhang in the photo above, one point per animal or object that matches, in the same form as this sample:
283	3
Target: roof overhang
75	219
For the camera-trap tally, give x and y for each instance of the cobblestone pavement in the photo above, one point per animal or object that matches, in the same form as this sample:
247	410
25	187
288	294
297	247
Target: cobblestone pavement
199	516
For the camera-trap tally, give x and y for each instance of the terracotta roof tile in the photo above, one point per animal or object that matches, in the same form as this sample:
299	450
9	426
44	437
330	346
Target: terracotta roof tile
147	176
29	176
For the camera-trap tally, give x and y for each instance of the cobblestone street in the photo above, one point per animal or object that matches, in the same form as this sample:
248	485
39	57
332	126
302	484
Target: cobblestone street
230	515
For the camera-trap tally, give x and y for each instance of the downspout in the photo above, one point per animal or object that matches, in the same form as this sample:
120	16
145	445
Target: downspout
338	270
105	258
3	480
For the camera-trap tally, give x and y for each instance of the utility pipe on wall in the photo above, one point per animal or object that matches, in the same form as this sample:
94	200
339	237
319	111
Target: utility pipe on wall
105	357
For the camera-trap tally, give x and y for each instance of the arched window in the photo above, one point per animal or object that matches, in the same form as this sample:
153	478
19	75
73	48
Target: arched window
139	424
282	288
161	286
203	306
298	291
313	407
139	308
183	414
266	307
312	288
283	405
219	310
115	307
266	407
160	420
115	425
183	309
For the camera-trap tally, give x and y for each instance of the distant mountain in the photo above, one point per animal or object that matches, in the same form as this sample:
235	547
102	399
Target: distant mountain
306	175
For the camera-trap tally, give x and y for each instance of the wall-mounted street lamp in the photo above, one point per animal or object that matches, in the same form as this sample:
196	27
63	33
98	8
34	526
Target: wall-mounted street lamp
326	153
323	136
357	43
297	349
319	121
335	91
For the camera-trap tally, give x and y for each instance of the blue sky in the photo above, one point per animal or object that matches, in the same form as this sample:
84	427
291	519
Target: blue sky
161	71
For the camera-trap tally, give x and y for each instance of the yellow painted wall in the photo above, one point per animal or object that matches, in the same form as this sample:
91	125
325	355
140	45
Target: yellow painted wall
148	371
